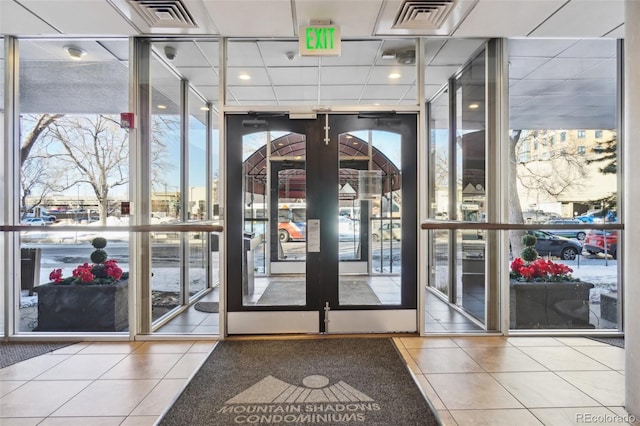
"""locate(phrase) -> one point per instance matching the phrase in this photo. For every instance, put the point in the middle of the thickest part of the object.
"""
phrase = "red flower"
(56, 275)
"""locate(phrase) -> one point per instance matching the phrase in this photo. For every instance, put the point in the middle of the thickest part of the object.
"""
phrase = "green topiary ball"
(99, 256)
(99, 242)
(529, 240)
(529, 254)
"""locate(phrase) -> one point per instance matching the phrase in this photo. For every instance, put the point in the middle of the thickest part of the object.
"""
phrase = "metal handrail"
(186, 227)
(454, 224)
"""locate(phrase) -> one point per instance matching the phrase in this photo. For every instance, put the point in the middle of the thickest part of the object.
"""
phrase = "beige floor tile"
(205, 346)
(411, 363)
(27, 370)
(578, 416)
(580, 341)
(431, 394)
(428, 342)
(160, 398)
(165, 347)
(21, 421)
(82, 367)
(471, 391)
(107, 398)
(7, 386)
(111, 348)
(49, 395)
(206, 330)
(534, 341)
(520, 417)
(186, 366)
(563, 359)
(543, 389)
(610, 356)
(480, 341)
(444, 360)
(140, 421)
(446, 418)
(83, 421)
(71, 349)
(143, 366)
(607, 387)
(500, 358)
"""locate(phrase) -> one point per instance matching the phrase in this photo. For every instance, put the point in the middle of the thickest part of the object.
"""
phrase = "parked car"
(36, 221)
(388, 231)
(554, 245)
(595, 242)
(579, 234)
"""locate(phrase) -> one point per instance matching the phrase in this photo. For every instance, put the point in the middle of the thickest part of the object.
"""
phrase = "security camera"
(170, 52)
(291, 55)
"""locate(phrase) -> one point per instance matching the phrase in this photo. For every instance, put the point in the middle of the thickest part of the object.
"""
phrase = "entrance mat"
(613, 341)
(350, 292)
(14, 352)
(333, 381)
(209, 307)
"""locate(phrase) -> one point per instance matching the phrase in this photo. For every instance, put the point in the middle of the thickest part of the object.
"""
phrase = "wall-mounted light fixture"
(75, 52)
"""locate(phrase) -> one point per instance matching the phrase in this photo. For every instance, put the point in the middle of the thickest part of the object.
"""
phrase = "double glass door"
(321, 223)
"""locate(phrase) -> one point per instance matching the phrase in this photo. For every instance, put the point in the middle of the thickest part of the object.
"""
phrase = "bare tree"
(37, 178)
(94, 151)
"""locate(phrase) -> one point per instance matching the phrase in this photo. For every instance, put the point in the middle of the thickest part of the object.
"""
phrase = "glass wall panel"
(564, 170)
(74, 171)
(197, 199)
(166, 196)
(271, 72)
(2, 218)
(441, 166)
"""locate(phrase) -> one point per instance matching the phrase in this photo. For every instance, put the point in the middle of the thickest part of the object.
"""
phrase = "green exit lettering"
(320, 38)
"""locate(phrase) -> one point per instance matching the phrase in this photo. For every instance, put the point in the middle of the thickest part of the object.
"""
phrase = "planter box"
(83, 307)
(549, 305)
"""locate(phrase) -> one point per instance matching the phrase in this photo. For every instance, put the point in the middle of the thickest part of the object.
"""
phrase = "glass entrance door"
(321, 224)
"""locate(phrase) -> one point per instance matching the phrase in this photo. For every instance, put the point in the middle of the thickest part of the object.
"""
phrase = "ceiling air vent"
(422, 14)
(164, 13)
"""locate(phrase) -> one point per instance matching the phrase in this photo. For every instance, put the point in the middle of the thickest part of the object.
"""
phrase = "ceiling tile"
(294, 76)
(81, 17)
(252, 18)
(355, 17)
(583, 18)
(507, 18)
(16, 20)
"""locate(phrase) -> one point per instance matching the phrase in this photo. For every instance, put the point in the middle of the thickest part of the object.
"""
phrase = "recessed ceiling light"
(348, 136)
(75, 52)
(160, 106)
(244, 77)
(204, 108)
(394, 75)
(474, 106)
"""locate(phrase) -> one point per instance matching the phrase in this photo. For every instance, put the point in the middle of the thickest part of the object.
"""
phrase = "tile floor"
(469, 380)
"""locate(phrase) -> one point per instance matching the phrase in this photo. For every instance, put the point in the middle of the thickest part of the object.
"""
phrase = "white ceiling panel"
(200, 76)
(294, 76)
(187, 53)
(375, 92)
(251, 93)
(356, 53)
(380, 75)
(440, 74)
(274, 54)
(355, 17)
(583, 18)
(521, 67)
(252, 18)
(344, 75)
(508, 18)
(292, 93)
(243, 54)
(538, 48)
(16, 20)
(591, 48)
(97, 16)
(563, 68)
(259, 76)
(456, 51)
(333, 93)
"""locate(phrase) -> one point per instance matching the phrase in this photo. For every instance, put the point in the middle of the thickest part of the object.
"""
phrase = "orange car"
(595, 242)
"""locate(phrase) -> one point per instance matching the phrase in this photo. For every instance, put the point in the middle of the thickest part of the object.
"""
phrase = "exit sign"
(319, 40)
